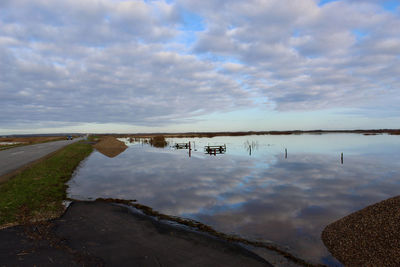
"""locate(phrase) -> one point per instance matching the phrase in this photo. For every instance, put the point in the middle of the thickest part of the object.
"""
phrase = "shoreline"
(203, 228)
(101, 233)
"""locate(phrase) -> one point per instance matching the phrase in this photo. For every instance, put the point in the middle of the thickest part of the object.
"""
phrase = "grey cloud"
(124, 83)
(103, 62)
(90, 22)
(285, 43)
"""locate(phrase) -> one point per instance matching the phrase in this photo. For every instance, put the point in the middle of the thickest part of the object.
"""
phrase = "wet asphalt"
(106, 234)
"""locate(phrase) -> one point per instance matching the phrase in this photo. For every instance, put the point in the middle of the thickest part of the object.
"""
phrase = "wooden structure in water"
(213, 150)
(182, 146)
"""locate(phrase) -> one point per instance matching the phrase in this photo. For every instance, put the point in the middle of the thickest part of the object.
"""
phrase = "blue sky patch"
(391, 5)
(191, 21)
(324, 2)
(359, 34)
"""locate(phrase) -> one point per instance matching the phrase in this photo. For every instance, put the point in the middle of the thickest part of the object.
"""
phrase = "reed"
(158, 141)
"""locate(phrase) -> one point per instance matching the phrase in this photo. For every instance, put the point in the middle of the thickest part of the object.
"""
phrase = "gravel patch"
(369, 237)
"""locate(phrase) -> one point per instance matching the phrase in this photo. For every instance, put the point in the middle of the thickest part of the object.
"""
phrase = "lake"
(255, 189)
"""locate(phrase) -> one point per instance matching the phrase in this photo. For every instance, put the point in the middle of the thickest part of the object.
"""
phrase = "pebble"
(368, 237)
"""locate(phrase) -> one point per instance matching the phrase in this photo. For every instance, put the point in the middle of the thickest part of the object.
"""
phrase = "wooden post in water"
(285, 153)
(249, 150)
(341, 158)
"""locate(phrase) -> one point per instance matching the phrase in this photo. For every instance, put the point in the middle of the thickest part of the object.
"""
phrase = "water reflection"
(110, 147)
(264, 197)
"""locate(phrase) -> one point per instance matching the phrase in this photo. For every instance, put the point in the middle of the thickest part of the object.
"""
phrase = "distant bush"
(158, 141)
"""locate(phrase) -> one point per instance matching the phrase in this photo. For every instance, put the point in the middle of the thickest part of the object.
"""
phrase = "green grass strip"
(37, 192)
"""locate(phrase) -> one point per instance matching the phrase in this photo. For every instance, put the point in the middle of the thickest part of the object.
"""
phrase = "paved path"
(14, 158)
(103, 234)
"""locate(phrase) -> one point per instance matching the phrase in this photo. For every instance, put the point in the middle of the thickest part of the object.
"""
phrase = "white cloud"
(125, 61)
(308, 56)
(129, 83)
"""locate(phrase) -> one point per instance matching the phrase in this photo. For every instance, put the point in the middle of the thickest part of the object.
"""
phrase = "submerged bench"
(182, 145)
(221, 149)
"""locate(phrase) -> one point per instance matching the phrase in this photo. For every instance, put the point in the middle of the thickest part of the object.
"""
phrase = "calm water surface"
(258, 194)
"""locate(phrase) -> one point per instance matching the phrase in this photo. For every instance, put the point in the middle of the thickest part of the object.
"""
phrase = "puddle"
(280, 189)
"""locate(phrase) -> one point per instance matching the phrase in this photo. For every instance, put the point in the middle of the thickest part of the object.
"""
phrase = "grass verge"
(37, 192)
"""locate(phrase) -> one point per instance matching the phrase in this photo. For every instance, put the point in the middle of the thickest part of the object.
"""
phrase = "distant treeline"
(213, 134)
(294, 132)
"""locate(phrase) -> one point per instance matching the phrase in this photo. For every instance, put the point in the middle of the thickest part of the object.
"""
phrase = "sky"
(187, 65)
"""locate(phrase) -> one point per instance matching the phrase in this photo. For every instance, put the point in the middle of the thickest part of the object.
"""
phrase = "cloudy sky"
(188, 65)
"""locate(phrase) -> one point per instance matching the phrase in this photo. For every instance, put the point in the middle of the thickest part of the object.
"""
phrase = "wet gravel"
(369, 237)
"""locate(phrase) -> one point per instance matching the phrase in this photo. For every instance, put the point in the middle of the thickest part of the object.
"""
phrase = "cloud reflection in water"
(288, 201)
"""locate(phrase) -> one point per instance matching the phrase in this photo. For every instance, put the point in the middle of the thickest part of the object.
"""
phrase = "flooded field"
(283, 189)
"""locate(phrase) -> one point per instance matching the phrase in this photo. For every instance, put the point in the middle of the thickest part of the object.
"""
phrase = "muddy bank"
(110, 146)
(369, 237)
(100, 233)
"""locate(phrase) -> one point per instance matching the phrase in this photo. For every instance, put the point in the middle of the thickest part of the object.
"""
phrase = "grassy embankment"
(37, 192)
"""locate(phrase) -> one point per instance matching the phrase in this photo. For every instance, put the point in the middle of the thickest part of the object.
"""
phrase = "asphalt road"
(15, 158)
